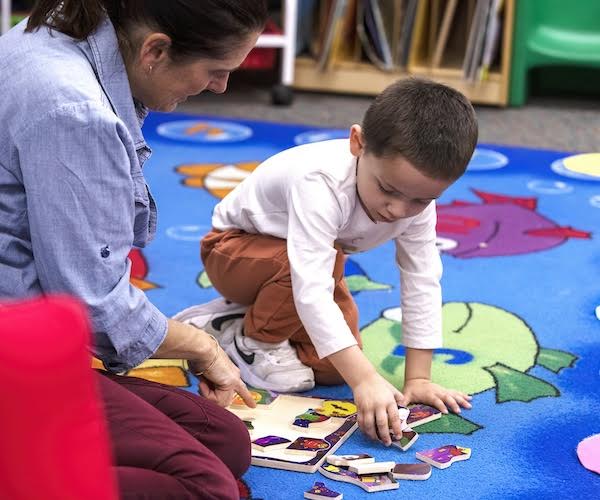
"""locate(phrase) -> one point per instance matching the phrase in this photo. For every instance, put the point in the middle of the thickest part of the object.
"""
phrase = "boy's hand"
(426, 392)
(377, 401)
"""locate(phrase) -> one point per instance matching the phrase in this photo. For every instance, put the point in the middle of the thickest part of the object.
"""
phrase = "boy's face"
(391, 188)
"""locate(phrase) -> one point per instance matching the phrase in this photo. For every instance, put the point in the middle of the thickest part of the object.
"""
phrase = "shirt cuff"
(132, 355)
(422, 342)
(335, 345)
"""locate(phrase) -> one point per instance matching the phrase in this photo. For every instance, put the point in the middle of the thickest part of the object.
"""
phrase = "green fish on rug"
(485, 347)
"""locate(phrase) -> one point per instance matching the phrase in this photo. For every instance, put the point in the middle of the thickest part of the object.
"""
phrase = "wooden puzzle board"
(277, 419)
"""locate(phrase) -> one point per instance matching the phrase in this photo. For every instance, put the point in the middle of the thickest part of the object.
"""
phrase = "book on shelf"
(442, 36)
(333, 34)
(418, 46)
(492, 39)
(372, 34)
(406, 37)
(410, 35)
(478, 33)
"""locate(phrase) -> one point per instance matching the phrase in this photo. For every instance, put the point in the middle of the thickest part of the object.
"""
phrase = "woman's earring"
(149, 69)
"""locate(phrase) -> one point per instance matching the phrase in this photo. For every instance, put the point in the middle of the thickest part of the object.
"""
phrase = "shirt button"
(104, 252)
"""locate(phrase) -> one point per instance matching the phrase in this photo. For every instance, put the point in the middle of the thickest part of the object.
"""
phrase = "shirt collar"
(106, 58)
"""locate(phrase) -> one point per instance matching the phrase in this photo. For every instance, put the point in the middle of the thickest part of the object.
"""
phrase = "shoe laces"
(283, 354)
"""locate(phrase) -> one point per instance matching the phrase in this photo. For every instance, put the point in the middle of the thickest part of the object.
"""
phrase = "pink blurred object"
(54, 438)
(588, 452)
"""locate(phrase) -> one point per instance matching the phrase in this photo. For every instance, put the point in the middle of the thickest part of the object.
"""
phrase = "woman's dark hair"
(431, 125)
(197, 28)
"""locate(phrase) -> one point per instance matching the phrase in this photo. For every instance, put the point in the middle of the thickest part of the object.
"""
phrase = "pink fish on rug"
(501, 225)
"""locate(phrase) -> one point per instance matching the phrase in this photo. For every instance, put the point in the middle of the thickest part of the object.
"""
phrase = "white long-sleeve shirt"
(307, 195)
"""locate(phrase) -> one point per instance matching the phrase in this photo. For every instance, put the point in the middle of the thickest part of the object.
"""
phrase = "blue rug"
(518, 235)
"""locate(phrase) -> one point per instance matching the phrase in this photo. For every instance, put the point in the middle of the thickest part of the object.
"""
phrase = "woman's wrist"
(216, 351)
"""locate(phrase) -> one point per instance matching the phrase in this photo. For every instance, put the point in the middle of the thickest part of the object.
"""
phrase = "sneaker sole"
(203, 313)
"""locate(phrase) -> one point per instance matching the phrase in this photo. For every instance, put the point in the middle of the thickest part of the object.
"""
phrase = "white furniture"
(5, 16)
(282, 94)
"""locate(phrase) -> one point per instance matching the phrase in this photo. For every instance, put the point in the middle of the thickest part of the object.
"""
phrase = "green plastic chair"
(552, 33)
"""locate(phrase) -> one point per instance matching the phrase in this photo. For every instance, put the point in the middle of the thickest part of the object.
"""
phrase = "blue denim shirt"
(73, 198)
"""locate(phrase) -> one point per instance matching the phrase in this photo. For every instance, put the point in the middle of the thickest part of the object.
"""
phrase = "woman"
(77, 82)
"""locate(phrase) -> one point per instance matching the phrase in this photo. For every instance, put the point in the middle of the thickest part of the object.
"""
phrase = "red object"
(54, 439)
(244, 490)
(263, 57)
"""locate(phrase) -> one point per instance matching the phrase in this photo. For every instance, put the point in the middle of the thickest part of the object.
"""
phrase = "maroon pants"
(168, 443)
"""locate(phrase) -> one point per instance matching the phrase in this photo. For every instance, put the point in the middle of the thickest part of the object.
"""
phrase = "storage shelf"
(364, 78)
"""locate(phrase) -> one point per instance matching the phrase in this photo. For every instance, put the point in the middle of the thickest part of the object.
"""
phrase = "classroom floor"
(566, 123)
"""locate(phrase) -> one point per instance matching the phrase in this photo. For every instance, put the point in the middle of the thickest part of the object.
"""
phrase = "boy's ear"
(357, 145)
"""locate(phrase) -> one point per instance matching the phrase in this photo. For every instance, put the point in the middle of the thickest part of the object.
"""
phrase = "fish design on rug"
(475, 358)
(219, 179)
(501, 225)
(139, 270)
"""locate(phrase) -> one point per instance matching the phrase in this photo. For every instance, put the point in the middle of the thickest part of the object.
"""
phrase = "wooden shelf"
(364, 78)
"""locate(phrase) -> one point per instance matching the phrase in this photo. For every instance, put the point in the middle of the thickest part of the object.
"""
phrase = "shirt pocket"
(144, 226)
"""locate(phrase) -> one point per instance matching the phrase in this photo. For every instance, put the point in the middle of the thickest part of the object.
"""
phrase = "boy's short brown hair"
(431, 125)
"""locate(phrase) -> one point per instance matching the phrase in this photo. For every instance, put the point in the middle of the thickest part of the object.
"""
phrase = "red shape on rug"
(244, 490)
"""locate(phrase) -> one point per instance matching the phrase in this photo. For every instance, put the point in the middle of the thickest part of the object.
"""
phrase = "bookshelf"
(355, 75)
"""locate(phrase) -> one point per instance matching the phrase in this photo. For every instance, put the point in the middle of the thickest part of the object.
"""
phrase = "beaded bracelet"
(212, 363)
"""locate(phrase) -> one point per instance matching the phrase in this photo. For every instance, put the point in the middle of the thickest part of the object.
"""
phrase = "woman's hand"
(220, 377)
(426, 392)
(221, 381)
(377, 401)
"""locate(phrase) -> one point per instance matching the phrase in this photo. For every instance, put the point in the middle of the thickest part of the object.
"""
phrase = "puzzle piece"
(407, 439)
(307, 445)
(270, 443)
(421, 414)
(309, 419)
(373, 482)
(334, 408)
(444, 456)
(319, 491)
(260, 396)
(403, 413)
(372, 468)
(417, 472)
(346, 460)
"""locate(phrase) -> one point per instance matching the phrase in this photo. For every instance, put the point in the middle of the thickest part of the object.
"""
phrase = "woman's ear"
(154, 49)
(357, 145)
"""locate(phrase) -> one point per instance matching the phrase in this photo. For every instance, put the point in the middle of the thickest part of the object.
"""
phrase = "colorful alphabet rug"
(519, 241)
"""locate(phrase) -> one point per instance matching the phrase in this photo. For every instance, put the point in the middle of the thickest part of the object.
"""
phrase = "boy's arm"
(418, 364)
(420, 274)
(377, 400)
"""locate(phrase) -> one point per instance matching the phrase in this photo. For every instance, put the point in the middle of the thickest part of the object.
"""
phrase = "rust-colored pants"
(254, 270)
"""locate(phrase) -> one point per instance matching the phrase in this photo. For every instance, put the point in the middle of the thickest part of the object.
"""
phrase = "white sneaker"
(275, 367)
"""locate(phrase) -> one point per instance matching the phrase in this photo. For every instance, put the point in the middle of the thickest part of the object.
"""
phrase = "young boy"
(279, 243)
